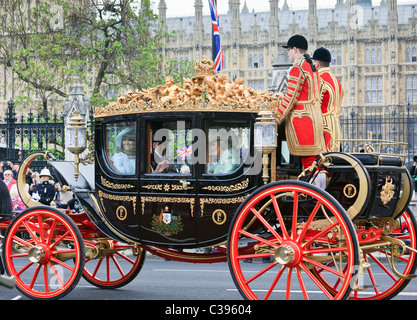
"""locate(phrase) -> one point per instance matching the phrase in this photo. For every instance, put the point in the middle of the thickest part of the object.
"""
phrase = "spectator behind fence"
(8, 179)
(13, 167)
(33, 184)
(17, 202)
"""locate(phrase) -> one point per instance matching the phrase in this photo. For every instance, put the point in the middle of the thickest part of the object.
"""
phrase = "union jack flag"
(184, 153)
(218, 51)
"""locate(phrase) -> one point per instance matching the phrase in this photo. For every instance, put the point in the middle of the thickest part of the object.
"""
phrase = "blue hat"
(119, 137)
(297, 41)
(322, 54)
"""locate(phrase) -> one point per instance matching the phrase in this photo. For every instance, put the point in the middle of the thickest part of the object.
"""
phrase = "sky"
(177, 8)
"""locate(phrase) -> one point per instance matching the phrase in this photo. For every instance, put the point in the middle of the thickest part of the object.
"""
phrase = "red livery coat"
(330, 107)
(300, 108)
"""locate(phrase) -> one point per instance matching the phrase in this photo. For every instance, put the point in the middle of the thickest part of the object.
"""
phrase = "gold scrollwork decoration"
(102, 195)
(191, 201)
(236, 187)
(167, 187)
(204, 201)
(112, 185)
(153, 187)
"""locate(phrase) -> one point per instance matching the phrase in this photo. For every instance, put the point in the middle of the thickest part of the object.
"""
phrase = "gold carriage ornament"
(265, 139)
(206, 91)
(76, 139)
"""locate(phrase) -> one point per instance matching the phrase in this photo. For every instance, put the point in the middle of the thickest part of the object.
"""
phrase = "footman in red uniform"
(331, 101)
(300, 107)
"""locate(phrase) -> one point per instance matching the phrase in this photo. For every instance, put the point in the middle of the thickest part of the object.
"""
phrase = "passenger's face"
(214, 148)
(161, 148)
(128, 145)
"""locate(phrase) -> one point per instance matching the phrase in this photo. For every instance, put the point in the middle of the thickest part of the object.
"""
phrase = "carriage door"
(117, 175)
(168, 184)
(227, 177)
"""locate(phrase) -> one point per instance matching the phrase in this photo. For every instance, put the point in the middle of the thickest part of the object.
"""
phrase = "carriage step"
(365, 287)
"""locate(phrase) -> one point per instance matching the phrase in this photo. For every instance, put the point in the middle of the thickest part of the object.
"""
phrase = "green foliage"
(57, 44)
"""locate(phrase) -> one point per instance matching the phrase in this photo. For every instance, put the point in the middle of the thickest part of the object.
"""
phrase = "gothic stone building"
(374, 48)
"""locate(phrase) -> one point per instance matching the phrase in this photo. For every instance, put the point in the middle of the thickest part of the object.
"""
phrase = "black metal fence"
(395, 124)
(30, 132)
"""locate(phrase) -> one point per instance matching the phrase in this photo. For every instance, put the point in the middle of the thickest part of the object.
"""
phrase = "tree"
(112, 44)
(31, 49)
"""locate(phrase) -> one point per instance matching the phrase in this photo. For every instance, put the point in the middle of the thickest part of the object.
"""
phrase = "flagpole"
(217, 52)
(213, 45)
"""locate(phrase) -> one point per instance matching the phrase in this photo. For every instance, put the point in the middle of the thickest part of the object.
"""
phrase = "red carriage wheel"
(44, 250)
(112, 264)
(379, 279)
(298, 227)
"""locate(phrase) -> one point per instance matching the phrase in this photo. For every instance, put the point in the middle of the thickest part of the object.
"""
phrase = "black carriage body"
(390, 187)
(172, 209)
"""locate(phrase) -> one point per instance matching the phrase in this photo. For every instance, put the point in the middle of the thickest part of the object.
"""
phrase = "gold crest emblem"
(387, 190)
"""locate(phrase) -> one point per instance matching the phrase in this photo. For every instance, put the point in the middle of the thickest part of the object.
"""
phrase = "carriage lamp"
(76, 139)
(265, 138)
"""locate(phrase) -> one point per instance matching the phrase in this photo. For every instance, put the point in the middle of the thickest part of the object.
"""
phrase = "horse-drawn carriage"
(177, 168)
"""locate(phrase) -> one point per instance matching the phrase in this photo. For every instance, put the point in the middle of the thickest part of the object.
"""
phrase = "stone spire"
(198, 22)
(273, 20)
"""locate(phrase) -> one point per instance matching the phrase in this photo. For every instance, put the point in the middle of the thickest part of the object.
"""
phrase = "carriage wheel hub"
(287, 254)
(36, 254)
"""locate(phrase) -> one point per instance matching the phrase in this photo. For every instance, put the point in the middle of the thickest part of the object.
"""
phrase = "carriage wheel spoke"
(125, 257)
(259, 239)
(267, 225)
(316, 281)
(310, 219)
(263, 271)
(279, 216)
(301, 282)
(274, 283)
(294, 216)
(113, 257)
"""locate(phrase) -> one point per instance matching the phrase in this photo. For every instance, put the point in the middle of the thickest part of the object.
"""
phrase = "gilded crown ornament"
(204, 67)
(206, 91)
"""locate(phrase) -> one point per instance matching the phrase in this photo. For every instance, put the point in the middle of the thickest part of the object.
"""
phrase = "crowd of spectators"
(40, 186)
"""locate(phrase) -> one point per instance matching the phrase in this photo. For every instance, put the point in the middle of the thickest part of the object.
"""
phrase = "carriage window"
(285, 153)
(171, 147)
(227, 146)
(121, 147)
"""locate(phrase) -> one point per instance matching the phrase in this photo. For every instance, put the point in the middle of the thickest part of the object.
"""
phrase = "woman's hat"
(119, 137)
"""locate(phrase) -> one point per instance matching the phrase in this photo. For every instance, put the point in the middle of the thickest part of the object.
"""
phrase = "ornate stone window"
(411, 88)
(373, 54)
(411, 52)
(336, 52)
(373, 89)
(181, 58)
(255, 59)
